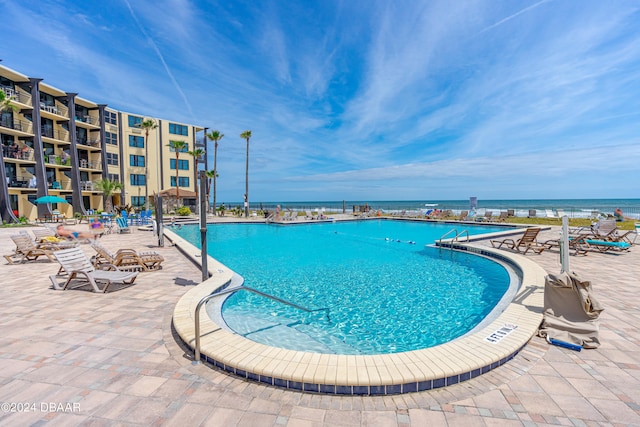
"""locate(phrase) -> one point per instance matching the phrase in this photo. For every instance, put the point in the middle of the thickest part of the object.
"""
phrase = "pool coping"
(450, 363)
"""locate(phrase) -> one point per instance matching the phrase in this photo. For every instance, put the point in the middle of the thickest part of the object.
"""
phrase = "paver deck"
(80, 358)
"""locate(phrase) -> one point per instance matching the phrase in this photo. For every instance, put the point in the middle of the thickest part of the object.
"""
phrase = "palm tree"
(5, 102)
(197, 155)
(215, 136)
(147, 125)
(178, 146)
(108, 187)
(211, 176)
(246, 135)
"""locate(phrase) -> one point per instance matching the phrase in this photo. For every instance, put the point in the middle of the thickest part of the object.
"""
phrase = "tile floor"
(80, 358)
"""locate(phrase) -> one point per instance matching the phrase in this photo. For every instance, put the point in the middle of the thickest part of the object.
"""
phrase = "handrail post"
(196, 352)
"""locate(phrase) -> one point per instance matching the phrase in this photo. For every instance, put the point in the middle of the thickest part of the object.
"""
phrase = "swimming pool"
(384, 291)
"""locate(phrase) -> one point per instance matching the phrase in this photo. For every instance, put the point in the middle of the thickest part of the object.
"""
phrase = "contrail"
(164, 63)
(508, 18)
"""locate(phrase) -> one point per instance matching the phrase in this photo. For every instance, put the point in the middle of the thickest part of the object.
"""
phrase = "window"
(135, 121)
(138, 201)
(136, 141)
(135, 160)
(177, 129)
(182, 150)
(182, 180)
(138, 179)
(111, 117)
(114, 177)
(182, 164)
(111, 138)
(112, 159)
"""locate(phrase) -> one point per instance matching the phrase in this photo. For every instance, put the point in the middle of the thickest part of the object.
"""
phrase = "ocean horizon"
(571, 207)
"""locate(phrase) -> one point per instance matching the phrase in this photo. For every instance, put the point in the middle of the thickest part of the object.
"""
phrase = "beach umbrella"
(49, 199)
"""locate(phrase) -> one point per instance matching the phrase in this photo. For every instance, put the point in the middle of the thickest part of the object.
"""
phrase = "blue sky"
(365, 100)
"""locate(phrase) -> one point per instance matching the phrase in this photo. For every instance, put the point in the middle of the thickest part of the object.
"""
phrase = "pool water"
(377, 287)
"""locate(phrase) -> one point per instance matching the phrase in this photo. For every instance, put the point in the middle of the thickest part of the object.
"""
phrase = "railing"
(58, 134)
(204, 300)
(454, 238)
(14, 152)
(85, 118)
(19, 125)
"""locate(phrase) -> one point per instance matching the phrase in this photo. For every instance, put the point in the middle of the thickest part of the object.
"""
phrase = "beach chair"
(523, 244)
(309, 215)
(127, 259)
(75, 263)
(463, 215)
(26, 250)
(503, 216)
(532, 213)
(123, 225)
(47, 238)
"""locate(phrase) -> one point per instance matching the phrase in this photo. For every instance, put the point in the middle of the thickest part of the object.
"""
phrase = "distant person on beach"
(619, 215)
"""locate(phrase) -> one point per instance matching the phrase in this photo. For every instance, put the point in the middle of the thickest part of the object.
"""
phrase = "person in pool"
(73, 234)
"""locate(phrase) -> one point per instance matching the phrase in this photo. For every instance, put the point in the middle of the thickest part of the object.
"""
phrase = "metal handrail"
(454, 238)
(196, 358)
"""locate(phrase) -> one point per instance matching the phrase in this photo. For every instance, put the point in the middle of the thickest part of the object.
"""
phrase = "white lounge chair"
(79, 267)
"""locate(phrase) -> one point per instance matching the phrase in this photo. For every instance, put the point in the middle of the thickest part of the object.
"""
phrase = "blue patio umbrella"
(49, 199)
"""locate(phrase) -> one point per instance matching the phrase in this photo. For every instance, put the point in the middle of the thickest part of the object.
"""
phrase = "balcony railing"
(59, 134)
(19, 125)
(15, 152)
(57, 109)
(85, 118)
(17, 95)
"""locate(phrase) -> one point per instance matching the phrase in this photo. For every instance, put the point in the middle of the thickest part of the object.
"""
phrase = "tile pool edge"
(417, 370)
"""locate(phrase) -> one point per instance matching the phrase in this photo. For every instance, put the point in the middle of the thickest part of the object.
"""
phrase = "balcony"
(58, 110)
(89, 142)
(58, 134)
(85, 118)
(18, 125)
(90, 164)
(17, 95)
(16, 152)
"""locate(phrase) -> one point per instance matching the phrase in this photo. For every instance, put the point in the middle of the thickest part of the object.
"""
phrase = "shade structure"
(49, 199)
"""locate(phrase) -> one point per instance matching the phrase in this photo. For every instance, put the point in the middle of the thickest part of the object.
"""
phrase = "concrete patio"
(81, 358)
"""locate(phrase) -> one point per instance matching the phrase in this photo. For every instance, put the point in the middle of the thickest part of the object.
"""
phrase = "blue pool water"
(384, 291)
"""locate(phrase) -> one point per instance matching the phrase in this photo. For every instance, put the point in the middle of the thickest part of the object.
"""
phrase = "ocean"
(574, 208)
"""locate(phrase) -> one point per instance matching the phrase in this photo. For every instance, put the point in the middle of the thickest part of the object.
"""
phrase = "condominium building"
(57, 143)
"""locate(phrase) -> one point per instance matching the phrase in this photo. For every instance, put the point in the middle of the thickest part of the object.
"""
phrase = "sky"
(364, 99)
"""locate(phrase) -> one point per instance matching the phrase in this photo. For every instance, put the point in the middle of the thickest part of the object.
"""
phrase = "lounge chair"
(503, 216)
(26, 250)
(607, 229)
(608, 245)
(127, 259)
(463, 215)
(46, 238)
(79, 268)
(123, 225)
(486, 217)
(523, 244)
(286, 216)
(532, 213)
(309, 215)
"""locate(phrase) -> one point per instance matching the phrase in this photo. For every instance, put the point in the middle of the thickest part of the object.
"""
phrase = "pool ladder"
(454, 238)
(196, 357)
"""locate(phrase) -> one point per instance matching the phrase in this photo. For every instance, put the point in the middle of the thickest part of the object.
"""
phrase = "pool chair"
(26, 250)
(607, 245)
(123, 225)
(532, 213)
(503, 216)
(47, 238)
(463, 215)
(523, 244)
(127, 259)
(79, 268)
